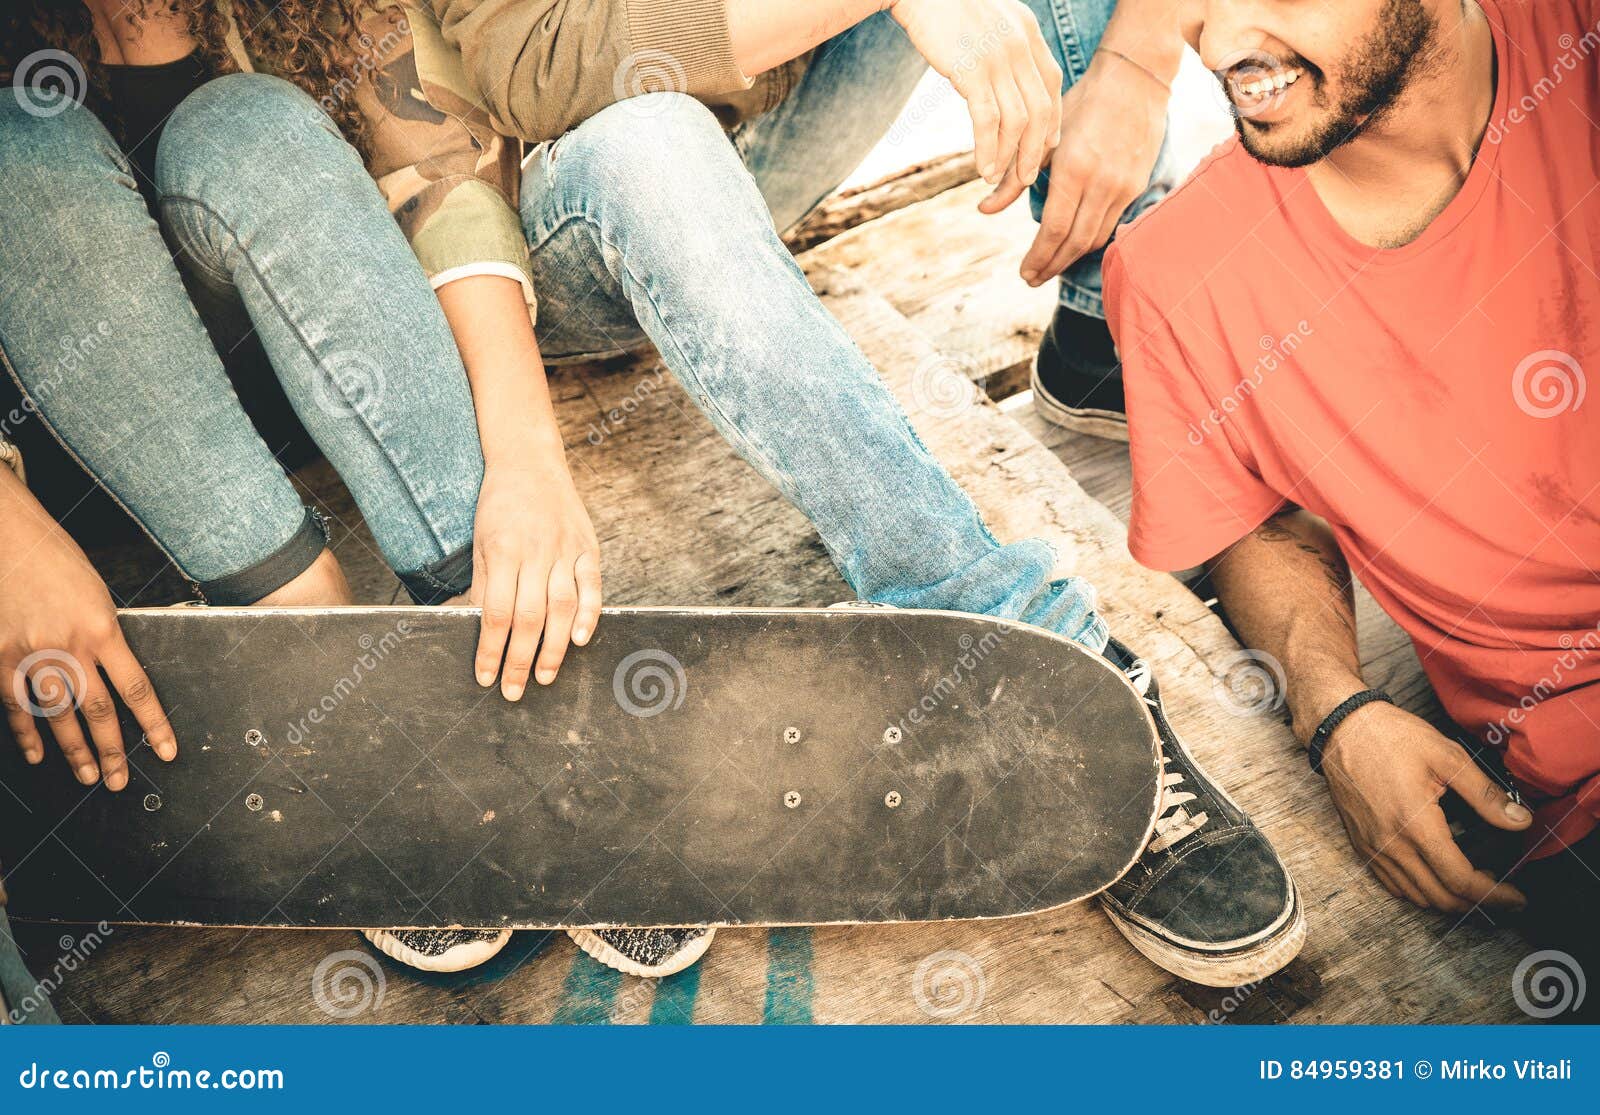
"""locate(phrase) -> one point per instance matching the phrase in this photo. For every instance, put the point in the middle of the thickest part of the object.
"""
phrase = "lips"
(1258, 90)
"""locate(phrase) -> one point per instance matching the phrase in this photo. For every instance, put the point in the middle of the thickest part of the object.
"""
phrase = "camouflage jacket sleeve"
(545, 66)
(450, 179)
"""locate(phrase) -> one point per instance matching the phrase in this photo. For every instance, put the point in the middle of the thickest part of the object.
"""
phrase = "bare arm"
(536, 561)
(1286, 588)
(767, 33)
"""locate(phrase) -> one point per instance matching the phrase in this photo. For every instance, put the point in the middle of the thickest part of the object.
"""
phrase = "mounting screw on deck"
(892, 799)
(254, 803)
(891, 734)
(791, 735)
(792, 798)
(152, 803)
(254, 738)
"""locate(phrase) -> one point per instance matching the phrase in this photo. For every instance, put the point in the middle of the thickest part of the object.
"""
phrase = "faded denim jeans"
(279, 232)
(647, 223)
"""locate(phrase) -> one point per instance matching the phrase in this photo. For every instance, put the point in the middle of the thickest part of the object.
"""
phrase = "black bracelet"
(1319, 738)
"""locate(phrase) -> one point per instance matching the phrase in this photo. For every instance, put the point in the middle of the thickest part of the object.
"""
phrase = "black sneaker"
(1209, 900)
(644, 952)
(439, 950)
(1077, 379)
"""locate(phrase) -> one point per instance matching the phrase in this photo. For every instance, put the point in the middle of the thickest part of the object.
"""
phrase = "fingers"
(561, 607)
(1490, 800)
(532, 584)
(1396, 883)
(100, 713)
(62, 708)
(498, 600)
(1043, 107)
(140, 696)
(1060, 211)
(587, 571)
(1013, 121)
(1452, 868)
(1422, 876)
(1081, 237)
(985, 114)
(1009, 189)
(1050, 75)
(14, 697)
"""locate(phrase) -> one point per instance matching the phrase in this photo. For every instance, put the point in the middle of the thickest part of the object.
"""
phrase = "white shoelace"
(1175, 821)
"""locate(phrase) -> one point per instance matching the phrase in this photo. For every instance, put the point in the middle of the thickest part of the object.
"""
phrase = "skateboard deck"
(340, 768)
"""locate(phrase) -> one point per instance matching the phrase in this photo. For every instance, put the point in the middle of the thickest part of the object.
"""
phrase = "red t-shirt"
(1428, 401)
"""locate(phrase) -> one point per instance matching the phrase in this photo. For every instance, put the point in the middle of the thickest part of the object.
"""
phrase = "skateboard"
(340, 768)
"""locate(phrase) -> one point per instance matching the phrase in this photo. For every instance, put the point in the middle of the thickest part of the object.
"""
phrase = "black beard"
(1374, 76)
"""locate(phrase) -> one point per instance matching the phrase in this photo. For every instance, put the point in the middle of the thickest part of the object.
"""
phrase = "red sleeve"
(1194, 495)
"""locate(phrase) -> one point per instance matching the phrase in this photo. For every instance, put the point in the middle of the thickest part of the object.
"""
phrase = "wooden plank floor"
(682, 520)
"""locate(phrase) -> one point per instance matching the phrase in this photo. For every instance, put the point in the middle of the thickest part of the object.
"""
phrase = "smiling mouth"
(1258, 90)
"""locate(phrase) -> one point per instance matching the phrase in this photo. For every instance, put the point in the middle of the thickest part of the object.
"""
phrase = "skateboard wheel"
(792, 799)
(254, 803)
(892, 799)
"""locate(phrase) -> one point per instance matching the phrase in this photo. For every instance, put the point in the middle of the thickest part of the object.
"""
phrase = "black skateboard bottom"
(341, 768)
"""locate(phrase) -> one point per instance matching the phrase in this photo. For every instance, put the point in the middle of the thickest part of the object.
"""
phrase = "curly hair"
(314, 43)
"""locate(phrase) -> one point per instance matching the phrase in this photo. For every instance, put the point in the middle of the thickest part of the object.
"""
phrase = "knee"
(49, 154)
(243, 124)
(662, 158)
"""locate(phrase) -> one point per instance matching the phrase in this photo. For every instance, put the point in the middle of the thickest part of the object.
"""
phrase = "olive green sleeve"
(544, 66)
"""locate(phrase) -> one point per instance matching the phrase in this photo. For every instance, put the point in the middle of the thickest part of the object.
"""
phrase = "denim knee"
(45, 157)
(246, 128)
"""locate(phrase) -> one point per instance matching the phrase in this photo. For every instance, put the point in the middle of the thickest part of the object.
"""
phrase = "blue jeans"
(646, 223)
(22, 1000)
(276, 225)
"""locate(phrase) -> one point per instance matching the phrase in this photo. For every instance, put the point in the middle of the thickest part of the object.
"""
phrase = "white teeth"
(1272, 83)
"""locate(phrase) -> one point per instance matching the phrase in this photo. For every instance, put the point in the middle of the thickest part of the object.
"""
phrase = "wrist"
(528, 453)
(1310, 705)
(1112, 63)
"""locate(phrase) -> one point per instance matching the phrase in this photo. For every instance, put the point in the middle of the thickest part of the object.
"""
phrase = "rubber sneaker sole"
(1221, 968)
(1108, 424)
(591, 943)
(469, 954)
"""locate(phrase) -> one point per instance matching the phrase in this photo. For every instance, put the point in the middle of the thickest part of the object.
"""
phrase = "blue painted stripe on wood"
(789, 985)
(589, 993)
(675, 995)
